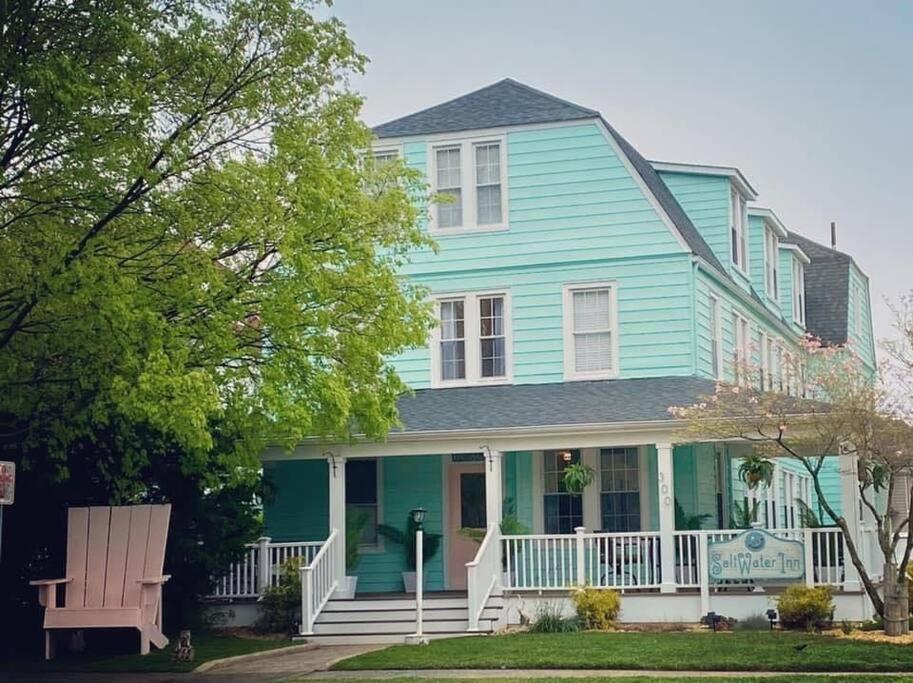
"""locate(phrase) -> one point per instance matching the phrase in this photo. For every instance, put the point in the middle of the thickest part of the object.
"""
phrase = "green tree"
(196, 257)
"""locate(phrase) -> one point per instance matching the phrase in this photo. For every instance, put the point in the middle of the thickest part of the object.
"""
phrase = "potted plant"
(430, 544)
(577, 477)
(356, 520)
(685, 522)
(743, 515)
(756, 469)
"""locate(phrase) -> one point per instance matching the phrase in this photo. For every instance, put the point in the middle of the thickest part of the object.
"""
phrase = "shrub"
(597, 609)
(549, 619)
(801, 607)
(280, 608)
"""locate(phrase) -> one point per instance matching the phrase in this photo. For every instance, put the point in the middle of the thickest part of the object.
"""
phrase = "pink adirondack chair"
(115, 558)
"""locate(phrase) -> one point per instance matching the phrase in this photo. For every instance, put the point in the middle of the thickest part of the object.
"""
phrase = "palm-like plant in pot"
(430, 544)
(756, 469)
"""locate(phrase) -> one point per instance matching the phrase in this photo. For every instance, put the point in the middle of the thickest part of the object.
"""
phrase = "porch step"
(378, 619)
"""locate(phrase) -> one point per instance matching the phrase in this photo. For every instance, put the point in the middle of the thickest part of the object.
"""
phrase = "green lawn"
(639, 679)
(703, 651)
(207, 647)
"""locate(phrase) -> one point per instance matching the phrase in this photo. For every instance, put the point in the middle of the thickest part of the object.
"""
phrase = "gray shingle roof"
(548, 405)
(509, 103)
(827, 289)
(505, 103)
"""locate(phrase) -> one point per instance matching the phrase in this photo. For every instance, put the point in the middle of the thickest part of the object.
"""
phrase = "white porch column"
(849, 505)
(494, 490)
(666, 499)
(337, 472)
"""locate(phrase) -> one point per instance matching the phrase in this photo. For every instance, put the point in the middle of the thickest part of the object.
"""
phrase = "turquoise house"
(581, 290)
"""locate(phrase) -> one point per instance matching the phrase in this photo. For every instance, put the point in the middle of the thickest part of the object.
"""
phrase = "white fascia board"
(731, 172)
(770, 218)
(797, 252)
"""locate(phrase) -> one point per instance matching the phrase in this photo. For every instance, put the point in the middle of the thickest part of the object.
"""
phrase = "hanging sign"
(758, 555)
(7, 482)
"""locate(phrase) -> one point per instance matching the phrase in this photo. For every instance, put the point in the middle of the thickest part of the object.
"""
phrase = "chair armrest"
(49, 582)
(154, 579)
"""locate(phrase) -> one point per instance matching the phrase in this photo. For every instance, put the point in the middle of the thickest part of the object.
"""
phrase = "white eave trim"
(731, 172)
(797, 252)
(770, 218)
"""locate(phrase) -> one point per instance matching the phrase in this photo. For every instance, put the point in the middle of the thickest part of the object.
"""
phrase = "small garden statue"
(183, 650)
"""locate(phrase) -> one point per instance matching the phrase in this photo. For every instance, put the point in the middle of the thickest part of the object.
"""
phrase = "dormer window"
(798, 292)
(469, 175)
(771, 255)
(739, 230)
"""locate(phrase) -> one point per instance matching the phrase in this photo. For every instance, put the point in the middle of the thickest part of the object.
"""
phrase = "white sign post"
(7, 491)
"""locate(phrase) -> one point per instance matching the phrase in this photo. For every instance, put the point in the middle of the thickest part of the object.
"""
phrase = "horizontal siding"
(570, 198)
(654, 312)
(861, 340)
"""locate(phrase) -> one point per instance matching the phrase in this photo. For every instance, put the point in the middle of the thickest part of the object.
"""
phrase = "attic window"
(798, 292)
(470, 176)
(771, 255)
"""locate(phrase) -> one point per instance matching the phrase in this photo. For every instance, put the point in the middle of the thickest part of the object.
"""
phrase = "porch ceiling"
(600, 402)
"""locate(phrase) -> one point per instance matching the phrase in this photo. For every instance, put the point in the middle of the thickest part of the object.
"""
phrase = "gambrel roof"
(509, 103)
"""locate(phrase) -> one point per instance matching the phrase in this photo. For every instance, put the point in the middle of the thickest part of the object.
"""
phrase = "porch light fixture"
(567, 456)
(771, 617)
(418, 516)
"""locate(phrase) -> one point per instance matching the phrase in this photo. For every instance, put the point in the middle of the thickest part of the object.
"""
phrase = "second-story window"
(590, 335)
(769, 361)
(716, 339)
(798, 292)
(771, 255)
(738, 232)
(469, 176)
(741, 356)
(471, 344)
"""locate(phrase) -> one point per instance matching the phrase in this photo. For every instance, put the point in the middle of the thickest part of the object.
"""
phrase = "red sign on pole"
(7, 482)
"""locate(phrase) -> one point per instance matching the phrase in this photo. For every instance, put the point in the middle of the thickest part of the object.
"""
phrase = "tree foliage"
(844, 412)
(196, 257)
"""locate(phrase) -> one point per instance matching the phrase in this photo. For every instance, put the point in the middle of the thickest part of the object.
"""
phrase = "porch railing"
(482, 574)
(261, 567)
(631, 561)
(319, 579)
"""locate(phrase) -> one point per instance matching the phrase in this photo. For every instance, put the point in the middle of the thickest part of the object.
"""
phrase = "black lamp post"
(418, 516)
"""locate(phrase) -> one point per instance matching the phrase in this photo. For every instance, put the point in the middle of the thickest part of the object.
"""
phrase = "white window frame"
(468, 184)
(472, 339)
(764, 340)
(568, 315)
(378, 547)
(771, 263)
(741, 347)
(387, 150)
(738, 217)
(716, 337)
(798, 292)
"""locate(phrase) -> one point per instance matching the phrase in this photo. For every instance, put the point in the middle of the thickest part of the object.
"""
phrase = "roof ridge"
(542, 93)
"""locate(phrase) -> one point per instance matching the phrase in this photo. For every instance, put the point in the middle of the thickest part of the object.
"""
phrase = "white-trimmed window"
(771, 256)
(590, 331)
(765, 361)
(619, 473)
(472, 174)
(741, 352)
(716, 339)
(472, 343)
(738, 209)
(769, 362)
(363, 497)
(780, 369)
(562, 511)
(798, 292)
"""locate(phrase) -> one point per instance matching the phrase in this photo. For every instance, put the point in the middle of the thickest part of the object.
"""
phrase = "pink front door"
(466, 496)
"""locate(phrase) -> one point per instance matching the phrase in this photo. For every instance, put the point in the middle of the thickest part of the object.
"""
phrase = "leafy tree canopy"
(188, 235)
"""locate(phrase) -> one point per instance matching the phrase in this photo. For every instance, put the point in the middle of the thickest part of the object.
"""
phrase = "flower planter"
(347, 590)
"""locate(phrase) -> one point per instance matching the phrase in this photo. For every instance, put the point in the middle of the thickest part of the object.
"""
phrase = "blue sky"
(813, 101)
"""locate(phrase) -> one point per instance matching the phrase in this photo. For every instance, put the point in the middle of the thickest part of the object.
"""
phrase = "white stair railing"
(318, 581)
(482, 574)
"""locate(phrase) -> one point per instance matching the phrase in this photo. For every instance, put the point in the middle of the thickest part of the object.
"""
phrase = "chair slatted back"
(109, 549)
